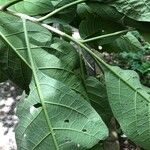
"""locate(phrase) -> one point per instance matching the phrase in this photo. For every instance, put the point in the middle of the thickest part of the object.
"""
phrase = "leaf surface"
(74, 122)
(97, 93)
(130, 104)
(135, 9)
(63, 54)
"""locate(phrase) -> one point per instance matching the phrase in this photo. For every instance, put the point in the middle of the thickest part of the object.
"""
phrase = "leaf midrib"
(37, 84)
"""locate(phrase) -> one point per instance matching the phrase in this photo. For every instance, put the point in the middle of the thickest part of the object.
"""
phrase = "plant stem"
(4, 7)
(105, 36)
(86, 49)
(60, 9)
(37, 84)
(60, 33)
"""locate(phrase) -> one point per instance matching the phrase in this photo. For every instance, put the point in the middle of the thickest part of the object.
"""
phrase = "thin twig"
(60, 9)
(105, 36)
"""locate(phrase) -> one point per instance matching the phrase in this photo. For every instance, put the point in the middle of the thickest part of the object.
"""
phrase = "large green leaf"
(12, 67)
(12, 41)
(73, 122)
(129, 103)
(31, 7)
(135, 9)
(110, 13)
(44, 49)
(90, 26)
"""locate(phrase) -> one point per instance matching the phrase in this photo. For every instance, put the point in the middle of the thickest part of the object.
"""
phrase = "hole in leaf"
(67, 140)
(84, 130)
(37, 105)
(66, 121)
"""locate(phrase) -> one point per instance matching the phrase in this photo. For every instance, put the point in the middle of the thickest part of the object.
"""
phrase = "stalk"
(37, 84)
(60, 9)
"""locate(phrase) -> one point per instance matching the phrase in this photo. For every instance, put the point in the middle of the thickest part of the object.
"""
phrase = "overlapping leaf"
(110, 13)
(98, 96)
(130, 104)
(74, 123)
(44, 49)
(93, 26)
(137, 10)
(60, 116)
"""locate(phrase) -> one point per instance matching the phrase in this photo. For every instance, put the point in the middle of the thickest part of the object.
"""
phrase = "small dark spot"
(37, 105)
(66, 121)
(146, 104)
(67, 140)
(84, 130)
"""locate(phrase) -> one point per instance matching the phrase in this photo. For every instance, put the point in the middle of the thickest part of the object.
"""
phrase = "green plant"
(63, 107)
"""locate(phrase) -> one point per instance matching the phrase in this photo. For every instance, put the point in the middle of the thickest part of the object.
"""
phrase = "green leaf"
(110, 13)
(15, 66)
(129, 103)
(83, 10)
(34, 7)
(55, 108)
(135, 9)
(12, 67)
(97, 93)
(90, 26)
(68, 14)
(128, 42)
(63, 54)
(94, 26)
(74, 122)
